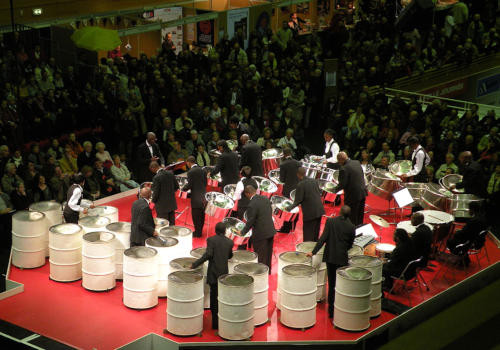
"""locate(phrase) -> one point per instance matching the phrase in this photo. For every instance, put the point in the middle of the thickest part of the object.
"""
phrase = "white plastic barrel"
(93, 223)
(140, 276)
(98, 261)
(298, 296)
(374, 265)
(317, 262)
(185, 303)
(285, 259)
(65, 246)
(105, 211)
(183, 235)
(240, 257)
(29, 230)
(167, 249)
(121, 230)
(352, 298)
(236, 306)
(53, 213)
(260, 274)
(198, 253)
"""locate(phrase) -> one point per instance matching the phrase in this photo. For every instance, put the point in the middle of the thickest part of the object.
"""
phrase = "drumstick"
(437, 219)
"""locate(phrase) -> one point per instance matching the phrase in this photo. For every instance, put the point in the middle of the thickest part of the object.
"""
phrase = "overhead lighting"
(37, 11)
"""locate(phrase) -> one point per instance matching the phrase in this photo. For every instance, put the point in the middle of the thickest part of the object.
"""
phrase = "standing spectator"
(148, 152)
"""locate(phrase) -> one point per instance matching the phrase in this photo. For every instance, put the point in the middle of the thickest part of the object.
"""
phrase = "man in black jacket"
(473, 181)
(352, 181)
(197, 183)
(400, 257)
(219, 251)
(227, 165)
(260, 220)
(148, 152)
(164, 187)
(338, 235)
(308, 195)
(288, 172)
(422, 237)
(143, 225)
(251, 155)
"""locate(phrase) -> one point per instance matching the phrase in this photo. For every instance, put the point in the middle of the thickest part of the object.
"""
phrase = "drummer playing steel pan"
(331, 150)
(419, 160)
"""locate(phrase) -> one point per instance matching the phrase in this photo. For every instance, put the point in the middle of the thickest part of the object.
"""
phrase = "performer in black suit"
(400, 257)
(338, 235)
(147, 152)
(74, 197)
(352, 181)
(219, 251)
(251, 155)
(164, 187)
(227, 165)
(473, 180)
(288, 172)
(197, 183)
(260, 220)
(143, 225)
(422, 237)
(308, 195)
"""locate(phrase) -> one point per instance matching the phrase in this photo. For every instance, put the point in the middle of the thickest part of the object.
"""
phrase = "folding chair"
(461, 252)
(411, 269)
(479, 245)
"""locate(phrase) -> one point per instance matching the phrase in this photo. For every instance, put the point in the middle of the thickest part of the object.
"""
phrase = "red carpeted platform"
(84, 319)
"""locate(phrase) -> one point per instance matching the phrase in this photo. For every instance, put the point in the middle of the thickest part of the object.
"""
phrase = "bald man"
(147, 152)
(352, 181)
(473, 181)
(251, 155)
(143, 225)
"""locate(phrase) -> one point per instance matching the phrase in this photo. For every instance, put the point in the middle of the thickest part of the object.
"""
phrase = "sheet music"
(403, 197)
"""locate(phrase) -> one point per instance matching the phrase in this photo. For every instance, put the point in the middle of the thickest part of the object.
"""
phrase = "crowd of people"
(58, 121)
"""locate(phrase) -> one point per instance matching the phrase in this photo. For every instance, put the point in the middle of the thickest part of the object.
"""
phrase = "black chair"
(461, 253)
(478, 246)
(409, 274)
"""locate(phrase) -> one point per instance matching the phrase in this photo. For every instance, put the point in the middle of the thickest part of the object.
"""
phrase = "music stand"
(366, 230)
(402, 198)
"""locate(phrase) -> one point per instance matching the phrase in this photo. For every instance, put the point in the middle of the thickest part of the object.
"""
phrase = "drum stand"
(179, 214)
(389, 211)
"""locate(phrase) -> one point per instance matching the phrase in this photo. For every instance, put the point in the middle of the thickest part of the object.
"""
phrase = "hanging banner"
(166, 15)
(237, 22)
(205, 32)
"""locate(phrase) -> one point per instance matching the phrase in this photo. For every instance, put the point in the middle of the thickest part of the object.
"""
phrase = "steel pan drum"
(218, 205)
(214, 153)
(459, 204)
(182, 181)
(292, 195)
(401, 167)
(451, 179)
(279, 205)
(229, 190)
(212, 180)
(266, 187)
(312, 169)
(416, 189)
(436, 197)
(274, 176)
(232, 226)
(271, 159)
(328, 188)
(232, 144)
(383, 184)
(368, 170)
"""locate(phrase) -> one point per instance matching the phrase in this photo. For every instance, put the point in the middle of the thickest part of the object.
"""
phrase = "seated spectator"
(267, 136)
(87, 156)
(384, 163)
(6, 207)
(469, 234)
(17, 159)
(212, 144)
(10, 178)
(178, 154)
(106, 181)
(68, 162)
(122, 175)
(288, 141)
(20, 198)
(59, 184)
(386, 151)
(41, 192)
(92, 187)
(179, 122)
(48, 168)
(449, 167)
(400, 257)
(36, 157)
(193, 143)
(29, 176)
(202, 157)
(76, 148)
(365, 159)
(55, 149)
(103, 155)
(494, 182)
(490, 137)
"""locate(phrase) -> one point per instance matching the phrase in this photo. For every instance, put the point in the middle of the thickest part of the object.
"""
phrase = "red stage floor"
(84, 319)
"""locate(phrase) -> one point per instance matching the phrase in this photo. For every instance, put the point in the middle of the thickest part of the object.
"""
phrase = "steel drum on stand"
(53, 214)
(451, 179)
(229, 191)
(233, 226)
(260, 274)
(436, 197)
(281, 214)
(400, 167)
(271, 159)
(459, 205)
(266, 187)
(218, 205)
(274, 176)
(212, 180)
(383, 184)
(417, 190)
(182, 181)
(29, 231)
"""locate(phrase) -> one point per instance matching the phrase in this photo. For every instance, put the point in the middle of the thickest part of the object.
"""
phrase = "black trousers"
(214, 305)
(170, 216)
(310, 229)
(331, 270)
(357, 211)
(264, 250)
(198, 216)
(71, 217)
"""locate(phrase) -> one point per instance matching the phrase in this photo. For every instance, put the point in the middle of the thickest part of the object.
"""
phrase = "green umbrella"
(96, 39)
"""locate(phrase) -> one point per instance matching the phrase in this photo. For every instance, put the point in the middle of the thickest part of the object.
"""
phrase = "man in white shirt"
(331, 150)
(73, 208)
(419, 160)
